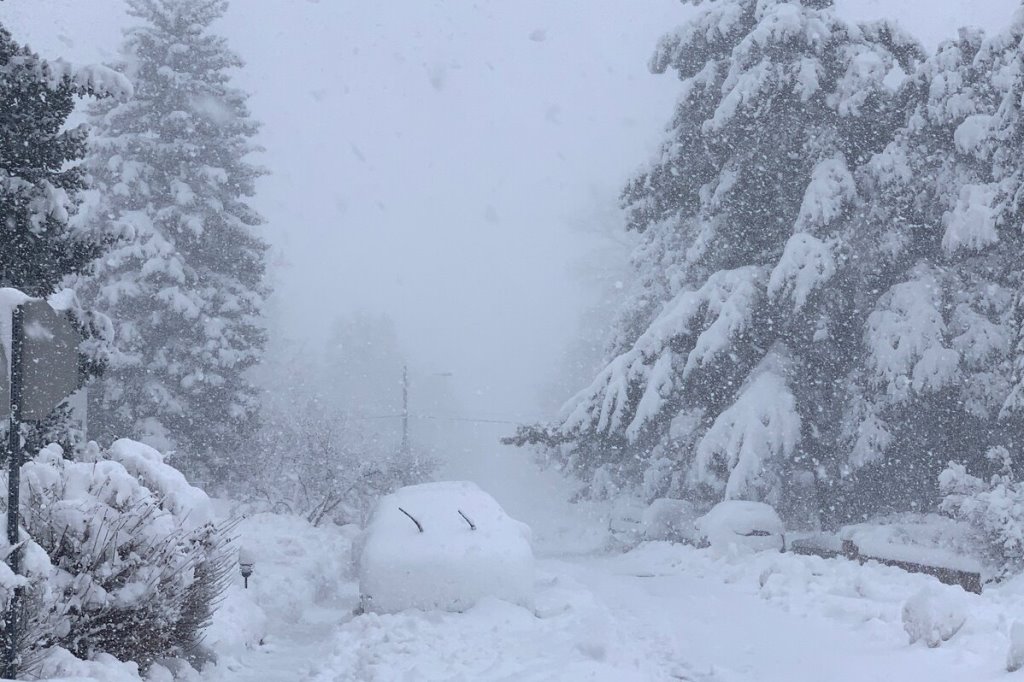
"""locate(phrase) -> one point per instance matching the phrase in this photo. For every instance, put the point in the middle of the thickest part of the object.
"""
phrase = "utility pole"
(405, 409)
(406, 446)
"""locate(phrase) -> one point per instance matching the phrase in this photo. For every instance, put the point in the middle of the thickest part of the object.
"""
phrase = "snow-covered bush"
(933, 617)
(995, 508)
(316, 462)
(125, 558)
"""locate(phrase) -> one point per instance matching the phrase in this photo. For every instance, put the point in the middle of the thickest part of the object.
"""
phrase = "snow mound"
(297, 566)
(739, 525)
(1015, 657)
(238, 624)
(61, 666)
(468, 549)
(301, 585)
(933, 617)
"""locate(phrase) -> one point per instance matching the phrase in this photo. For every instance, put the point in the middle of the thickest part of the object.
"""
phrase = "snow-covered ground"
(659, 612)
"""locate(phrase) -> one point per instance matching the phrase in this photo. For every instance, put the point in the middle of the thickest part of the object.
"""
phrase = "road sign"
(43, 372)
(49, 362)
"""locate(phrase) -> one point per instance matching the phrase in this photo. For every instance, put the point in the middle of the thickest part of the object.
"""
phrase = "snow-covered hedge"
(122, 556)
(312, 461)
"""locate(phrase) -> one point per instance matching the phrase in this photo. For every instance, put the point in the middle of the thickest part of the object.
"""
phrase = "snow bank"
(239, 623)
(741, 525)
(870, 600)
(296, 567)
(300, 587)
(60, 666)
(572, 634)
(469, 548)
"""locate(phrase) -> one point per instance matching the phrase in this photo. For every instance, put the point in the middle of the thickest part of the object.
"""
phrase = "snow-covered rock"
(461, 547)
(739, 525)
(933, 617)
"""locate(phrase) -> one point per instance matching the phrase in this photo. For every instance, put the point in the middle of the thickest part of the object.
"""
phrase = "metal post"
(405, 410)
(14, 456)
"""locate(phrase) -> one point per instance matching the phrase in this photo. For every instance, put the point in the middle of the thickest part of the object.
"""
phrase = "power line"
(437, 417)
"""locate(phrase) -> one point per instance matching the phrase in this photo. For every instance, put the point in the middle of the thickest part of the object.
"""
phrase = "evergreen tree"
(41, 182)
(186, 288)
(40, 173)
(928, 334)
(718, 366)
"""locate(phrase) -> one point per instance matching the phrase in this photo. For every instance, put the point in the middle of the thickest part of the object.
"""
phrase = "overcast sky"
(428, 159)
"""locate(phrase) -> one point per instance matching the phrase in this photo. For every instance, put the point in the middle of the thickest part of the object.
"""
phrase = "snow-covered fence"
(939, 567)
(947, 566)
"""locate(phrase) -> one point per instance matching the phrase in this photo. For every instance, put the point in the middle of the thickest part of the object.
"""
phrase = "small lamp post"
(245, 563)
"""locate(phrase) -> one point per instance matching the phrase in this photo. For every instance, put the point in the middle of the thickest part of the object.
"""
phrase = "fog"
(428, 163)
(439, 162)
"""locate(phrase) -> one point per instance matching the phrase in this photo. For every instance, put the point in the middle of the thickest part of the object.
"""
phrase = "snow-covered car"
(442, 546)
(670, 520)
(741, 525)
(625, 523)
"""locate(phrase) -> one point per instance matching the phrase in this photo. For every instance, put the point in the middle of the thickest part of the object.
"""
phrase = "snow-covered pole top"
(10, 299)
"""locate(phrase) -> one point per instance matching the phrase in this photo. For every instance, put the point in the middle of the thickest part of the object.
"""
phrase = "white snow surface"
(933, 617)
(660, 612)
(301, 587)
(449, 565)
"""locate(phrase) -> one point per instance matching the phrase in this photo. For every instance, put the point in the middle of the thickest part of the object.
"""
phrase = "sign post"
(44, 370)
(10, 662)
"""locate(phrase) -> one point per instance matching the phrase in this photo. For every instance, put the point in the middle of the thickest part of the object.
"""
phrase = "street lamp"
(245, 563)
